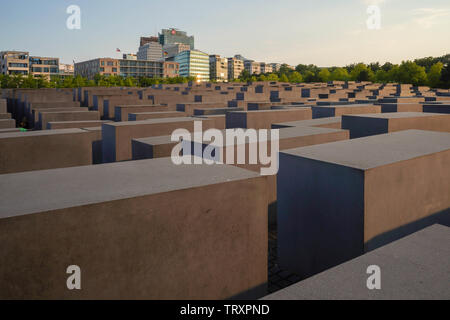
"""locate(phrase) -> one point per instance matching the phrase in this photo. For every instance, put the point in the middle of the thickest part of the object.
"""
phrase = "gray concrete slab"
(413, 268)
(338, 200)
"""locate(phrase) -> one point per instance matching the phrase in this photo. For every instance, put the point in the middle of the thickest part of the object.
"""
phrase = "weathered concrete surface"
(117, 136)
(121, 112)
(341, 199)
(288, 138)
(332, 123)
(34, 118)
(154, 115)
(413, 268)
(264, 119)
(443, 108)
(97, 143)
(138, 230)
(372, 124)
(152, 148)
(7, 123)
(5, 116)
(38, 150)
(75, 124)
(401, 107)
(46, 117)
(9, 130)
(335, 111)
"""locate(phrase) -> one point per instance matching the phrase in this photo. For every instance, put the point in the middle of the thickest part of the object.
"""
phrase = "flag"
(118, 50)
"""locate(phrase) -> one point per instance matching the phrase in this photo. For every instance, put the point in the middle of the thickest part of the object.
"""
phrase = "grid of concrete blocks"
(364, 171)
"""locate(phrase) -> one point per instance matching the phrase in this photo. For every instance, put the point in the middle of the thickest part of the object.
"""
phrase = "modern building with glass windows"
(126, 68)
(14, 62)
(194, 63)
(141, 68)
(151, 51)
(172, 36)
(44, 66)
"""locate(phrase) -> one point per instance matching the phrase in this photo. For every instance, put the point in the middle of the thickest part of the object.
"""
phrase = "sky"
(321, 32)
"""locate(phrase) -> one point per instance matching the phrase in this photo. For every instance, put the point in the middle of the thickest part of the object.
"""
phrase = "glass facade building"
(194, 63)
(172, 36)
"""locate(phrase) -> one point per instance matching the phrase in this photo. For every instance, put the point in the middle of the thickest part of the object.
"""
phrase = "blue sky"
(321, 32)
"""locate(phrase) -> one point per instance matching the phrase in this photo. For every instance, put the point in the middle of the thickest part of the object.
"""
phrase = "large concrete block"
(341, 199)
(58, 116)
(436, 108)
(335, 111)
(38, 150)
(117, 136)
(154, 115)
(7, 123)
(189, 108)
(138, 230)
(413, 268)
(332, 123)
(3, 106)
(34, 117)
(152, 148)
(401, 107)
(5, 116)
(75, 124)
(372, 124)
(288, 138)
(265, 118)
(97, 144)
(121, 112)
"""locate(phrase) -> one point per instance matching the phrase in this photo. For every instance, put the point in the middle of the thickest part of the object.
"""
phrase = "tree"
(244, 76)
(410, 72)
(387, 66)
(295, 77)
(381, 76)
(375, 66)
(445, 76)
(361, 72)
(434, 74)
(284, 78)
(262, 77)
(339, 74)
(272, 77)
(324, 75)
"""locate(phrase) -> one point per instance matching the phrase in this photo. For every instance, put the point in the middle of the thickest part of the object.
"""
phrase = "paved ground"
(278, 278)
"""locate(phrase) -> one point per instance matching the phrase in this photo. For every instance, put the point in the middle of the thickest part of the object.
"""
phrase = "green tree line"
(433, 72)
(20, 81)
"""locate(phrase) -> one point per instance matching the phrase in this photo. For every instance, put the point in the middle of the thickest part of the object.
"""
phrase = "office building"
(66, 70)
(235, 68)
(102, 66)
(126, 68)
(266, 68)
(252, 67)
(44, 66)
(129, 56)
(241, 57)
(275, 67)
(14, 62)
(218, 68)
(141, 68)
(171, 69)
(172, 36)
(171, 50)
(151, 51)
(145, 40)
(194, 63)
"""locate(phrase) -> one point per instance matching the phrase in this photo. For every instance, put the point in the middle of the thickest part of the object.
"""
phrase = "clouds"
(428, 17)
